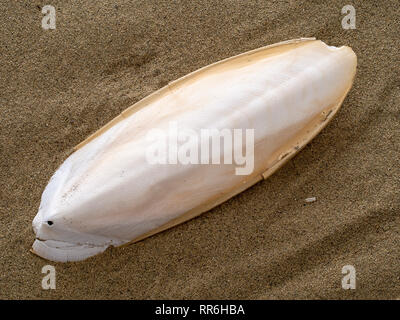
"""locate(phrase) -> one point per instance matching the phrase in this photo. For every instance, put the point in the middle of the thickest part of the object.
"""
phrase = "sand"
(58, 86)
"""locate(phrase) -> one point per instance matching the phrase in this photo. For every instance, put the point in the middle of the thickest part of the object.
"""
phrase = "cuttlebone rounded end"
(347, 58)
(61, 251)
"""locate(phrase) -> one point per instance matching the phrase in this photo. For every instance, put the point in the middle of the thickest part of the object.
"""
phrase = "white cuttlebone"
(107, 194)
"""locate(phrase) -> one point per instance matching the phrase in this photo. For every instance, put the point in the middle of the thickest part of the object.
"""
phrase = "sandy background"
(58, 86)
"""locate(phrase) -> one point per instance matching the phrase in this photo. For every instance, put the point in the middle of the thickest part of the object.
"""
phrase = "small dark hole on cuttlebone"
(50, 223)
